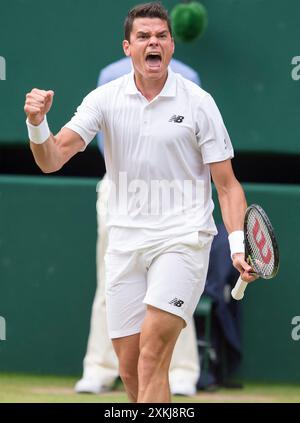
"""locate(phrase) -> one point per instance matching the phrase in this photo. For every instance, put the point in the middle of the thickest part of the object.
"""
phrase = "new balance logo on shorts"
(177, 119)
(176, 302)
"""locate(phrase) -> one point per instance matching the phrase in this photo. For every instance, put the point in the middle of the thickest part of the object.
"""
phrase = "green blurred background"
(48, 223)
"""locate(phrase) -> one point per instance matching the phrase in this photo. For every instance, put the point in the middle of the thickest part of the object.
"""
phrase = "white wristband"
(236, 242)
(38, 134)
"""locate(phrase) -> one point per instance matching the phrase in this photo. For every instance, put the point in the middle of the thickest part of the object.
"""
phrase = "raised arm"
(50, 152)
(233, 206)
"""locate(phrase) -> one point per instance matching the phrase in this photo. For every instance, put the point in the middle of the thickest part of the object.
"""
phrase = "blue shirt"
(123, 66)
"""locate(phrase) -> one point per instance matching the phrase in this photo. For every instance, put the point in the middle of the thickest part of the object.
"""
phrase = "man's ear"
(173, 44)
(126, 48)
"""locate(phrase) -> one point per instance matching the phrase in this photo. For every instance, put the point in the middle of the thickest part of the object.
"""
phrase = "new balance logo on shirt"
(176, 302)
(177, 119)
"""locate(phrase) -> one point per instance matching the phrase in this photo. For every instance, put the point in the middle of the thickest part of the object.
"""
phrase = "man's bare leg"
(127, 350)
(159, 333)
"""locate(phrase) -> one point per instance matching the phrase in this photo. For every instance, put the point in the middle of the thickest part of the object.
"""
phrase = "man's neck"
(149, 88)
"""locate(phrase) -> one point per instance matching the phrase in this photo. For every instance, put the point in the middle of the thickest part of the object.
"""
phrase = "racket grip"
(239, 289)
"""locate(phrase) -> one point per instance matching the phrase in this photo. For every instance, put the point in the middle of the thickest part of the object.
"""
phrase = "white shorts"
(169, 276)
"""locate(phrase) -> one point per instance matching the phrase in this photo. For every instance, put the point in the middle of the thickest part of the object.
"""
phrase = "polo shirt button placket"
(145, 119)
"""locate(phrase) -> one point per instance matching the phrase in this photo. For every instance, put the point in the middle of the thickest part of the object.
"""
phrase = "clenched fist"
(37, 105)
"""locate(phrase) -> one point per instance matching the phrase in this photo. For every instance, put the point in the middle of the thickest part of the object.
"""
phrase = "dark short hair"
(146, 10)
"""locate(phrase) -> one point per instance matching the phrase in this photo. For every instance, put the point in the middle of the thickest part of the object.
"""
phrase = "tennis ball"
(188, 21)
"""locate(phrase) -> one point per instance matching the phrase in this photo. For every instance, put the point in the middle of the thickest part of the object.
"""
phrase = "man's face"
(150, 46)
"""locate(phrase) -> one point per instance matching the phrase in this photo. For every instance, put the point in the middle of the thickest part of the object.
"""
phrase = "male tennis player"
(160, 130)
(100, 365)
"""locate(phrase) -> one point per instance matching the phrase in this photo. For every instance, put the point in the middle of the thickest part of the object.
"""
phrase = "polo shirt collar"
(169, 89)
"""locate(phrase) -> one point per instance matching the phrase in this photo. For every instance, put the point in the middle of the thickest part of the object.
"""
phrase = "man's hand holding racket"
(261, 251)
(246, 271)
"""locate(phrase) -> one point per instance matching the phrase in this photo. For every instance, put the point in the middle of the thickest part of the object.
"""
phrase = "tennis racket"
(261, 248)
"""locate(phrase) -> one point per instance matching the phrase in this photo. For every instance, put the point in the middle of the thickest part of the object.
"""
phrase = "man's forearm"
(233, 206)
(46, 156)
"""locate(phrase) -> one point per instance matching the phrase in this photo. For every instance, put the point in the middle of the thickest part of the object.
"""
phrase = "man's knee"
(128, 353)
(128, 374)
(155, 355)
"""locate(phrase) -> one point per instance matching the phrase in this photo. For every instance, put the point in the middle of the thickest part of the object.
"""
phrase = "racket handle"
(239, 289)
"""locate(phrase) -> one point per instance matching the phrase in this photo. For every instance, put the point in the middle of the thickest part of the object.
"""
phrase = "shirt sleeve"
(212, 135)
(88, 118)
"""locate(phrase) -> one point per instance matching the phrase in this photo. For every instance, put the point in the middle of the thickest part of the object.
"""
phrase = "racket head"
(261, 247)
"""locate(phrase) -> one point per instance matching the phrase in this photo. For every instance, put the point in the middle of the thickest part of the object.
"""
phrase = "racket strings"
(260, 245)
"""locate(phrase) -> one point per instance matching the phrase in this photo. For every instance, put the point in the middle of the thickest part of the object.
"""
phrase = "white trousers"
(100, 360)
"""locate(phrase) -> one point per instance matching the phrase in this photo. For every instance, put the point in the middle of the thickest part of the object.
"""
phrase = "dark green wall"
(244, 60)
(47, 271)
(270, 353)
(47, 279)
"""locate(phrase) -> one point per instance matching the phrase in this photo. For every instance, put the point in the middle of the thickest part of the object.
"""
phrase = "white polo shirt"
(157, 155)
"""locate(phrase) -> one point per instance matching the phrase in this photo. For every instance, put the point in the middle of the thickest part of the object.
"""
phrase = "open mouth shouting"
(154, 60)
